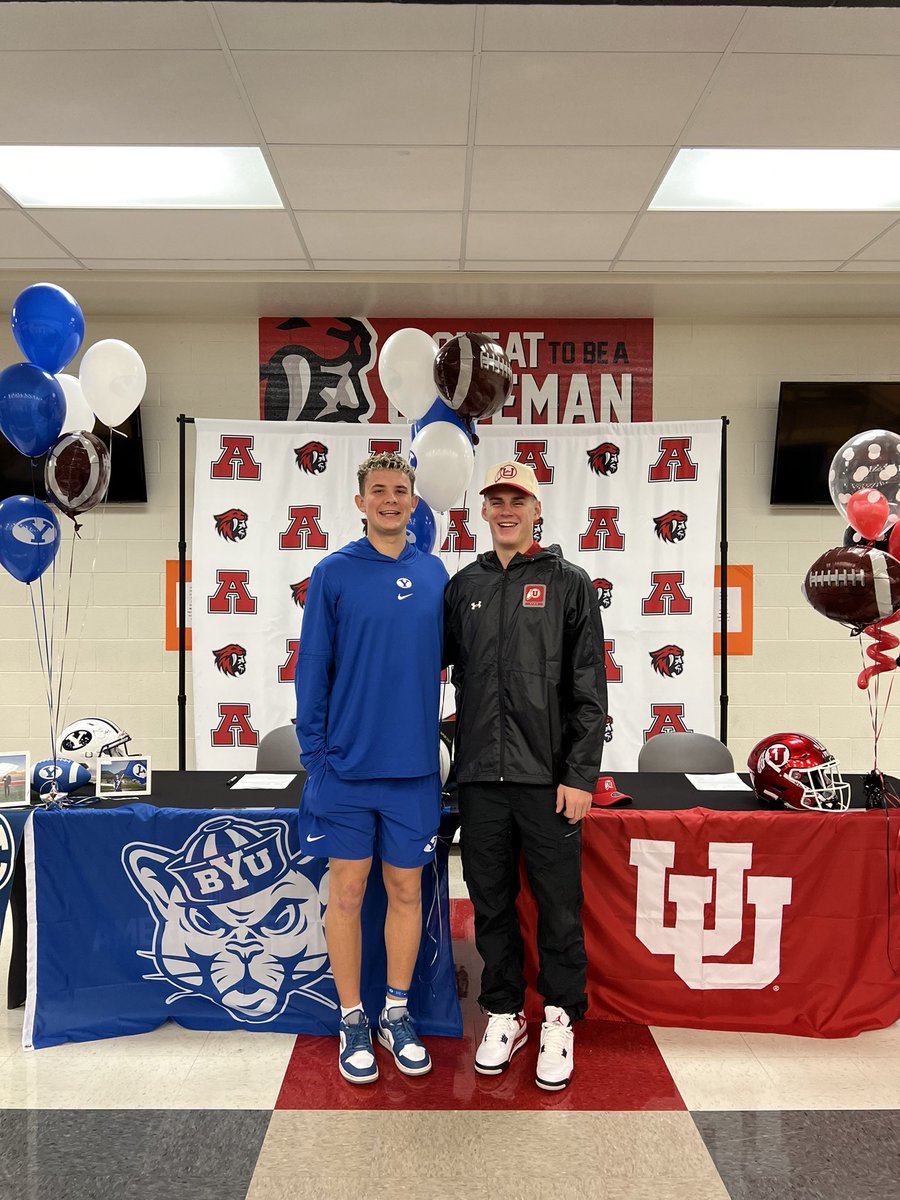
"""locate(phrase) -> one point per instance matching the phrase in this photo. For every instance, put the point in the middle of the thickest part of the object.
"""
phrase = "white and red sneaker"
(505, 1034)
(556, 1060)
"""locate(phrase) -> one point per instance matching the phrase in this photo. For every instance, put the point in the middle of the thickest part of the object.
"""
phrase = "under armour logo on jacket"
(475, 604)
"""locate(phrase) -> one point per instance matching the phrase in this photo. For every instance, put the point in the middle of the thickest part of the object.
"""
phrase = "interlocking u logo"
(687, 940)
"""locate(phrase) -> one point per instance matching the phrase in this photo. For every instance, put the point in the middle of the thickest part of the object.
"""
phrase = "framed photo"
(15, 778)
(123, 776)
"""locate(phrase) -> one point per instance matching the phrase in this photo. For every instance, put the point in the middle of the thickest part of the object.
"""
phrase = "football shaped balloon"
(855, 586)
(65, 773)
(473, 375)
(76, 474)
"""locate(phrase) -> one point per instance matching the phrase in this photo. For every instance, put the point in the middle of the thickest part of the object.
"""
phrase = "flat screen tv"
(814, 421)
(127, 480)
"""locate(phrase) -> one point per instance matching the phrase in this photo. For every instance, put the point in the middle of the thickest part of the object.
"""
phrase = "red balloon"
(893, 546)
(867, 512)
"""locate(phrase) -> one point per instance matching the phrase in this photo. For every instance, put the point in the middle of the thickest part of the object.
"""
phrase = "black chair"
(695, 753)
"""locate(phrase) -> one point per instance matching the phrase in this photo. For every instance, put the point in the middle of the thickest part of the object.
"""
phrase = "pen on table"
(232, 781)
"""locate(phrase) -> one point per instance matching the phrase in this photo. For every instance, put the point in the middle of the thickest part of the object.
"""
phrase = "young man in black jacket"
(523, 631)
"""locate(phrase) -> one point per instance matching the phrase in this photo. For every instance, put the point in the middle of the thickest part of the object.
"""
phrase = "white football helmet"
(86, 740)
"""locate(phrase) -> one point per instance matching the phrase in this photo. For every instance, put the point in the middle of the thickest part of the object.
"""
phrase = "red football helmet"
(798, 771)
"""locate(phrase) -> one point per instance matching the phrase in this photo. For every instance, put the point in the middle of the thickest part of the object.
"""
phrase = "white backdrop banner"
(633, 504)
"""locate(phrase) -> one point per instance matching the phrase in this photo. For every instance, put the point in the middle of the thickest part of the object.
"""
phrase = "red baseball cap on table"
(606, 794)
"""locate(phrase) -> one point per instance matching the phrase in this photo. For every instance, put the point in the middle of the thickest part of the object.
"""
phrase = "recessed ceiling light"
(137, 177)
(780, 180)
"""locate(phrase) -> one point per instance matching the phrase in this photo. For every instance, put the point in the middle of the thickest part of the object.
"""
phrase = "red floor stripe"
(618, 1067)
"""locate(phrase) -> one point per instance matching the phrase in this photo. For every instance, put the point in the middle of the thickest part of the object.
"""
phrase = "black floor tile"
(50, 1154)
(805, 1155)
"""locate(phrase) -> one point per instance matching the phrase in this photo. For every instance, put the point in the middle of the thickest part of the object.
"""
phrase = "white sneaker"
(505, 1034)
(556, 1060)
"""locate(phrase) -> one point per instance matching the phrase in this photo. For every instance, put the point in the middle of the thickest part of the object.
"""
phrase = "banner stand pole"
(723, 588)
(182, 592)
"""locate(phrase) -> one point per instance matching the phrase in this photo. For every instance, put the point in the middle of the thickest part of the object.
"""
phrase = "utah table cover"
(214, 919)
(774, 922)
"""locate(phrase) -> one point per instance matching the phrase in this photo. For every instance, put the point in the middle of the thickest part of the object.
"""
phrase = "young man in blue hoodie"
(368, 691)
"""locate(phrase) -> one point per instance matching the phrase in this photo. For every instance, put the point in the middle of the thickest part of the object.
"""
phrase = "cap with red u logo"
(606, 793)
(512, 474)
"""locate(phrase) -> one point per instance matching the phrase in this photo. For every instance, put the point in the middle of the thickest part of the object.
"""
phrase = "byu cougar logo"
(237, 920)
(687, 939)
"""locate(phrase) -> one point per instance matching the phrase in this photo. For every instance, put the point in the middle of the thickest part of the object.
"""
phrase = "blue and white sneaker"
(356, 1058)
(401, 1039)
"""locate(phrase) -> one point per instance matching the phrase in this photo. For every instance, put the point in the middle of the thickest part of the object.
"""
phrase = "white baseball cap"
(512, 474)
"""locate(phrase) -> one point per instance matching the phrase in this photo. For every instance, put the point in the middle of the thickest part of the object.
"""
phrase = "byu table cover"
(214, 920)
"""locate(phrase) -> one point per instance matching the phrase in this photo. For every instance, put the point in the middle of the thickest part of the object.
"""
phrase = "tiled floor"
(653, 1114)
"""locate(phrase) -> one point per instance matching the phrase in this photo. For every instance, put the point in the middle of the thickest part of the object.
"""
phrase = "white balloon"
(113, 378)
(406, 371)
(79, 414)
(444, 464)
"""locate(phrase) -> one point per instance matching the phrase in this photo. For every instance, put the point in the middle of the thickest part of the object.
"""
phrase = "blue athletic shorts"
(354, 818)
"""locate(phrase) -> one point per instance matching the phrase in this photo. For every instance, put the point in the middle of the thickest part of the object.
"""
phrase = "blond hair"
(384, 462)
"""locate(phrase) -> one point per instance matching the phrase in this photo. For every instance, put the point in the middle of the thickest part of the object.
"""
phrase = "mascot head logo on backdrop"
(319, 373)
(312, 458)
(604, 590)
(667, 660)
(231, 525)
(671, 526)
(298, 592)
(604, 459)
(237, 923)
(231, 659)
(608, 729)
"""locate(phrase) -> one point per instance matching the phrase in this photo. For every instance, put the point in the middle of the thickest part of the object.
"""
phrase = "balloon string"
(883, 641)
(45, 673)
(65, 637)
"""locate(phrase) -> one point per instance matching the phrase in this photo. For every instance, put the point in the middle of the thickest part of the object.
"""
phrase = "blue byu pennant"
(142, 914)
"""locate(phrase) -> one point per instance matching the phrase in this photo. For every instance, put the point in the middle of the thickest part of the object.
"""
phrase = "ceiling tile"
(564, 178)
(265, 26)
(738, 268)
(390, 178)
(859, 264)
(545, 27)
(588, 99)
(541, 237)
(143, 234)
(367, 236)
(819, 31)
(109, 97)
(887, 246)
(359, 98)
(751, 237)
(199, 264)
(386, 264)
(537, 266)
(21, 238)
(800, 100)
(94, 26)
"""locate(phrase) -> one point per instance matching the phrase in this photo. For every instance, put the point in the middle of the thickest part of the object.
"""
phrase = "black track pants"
(499, 819)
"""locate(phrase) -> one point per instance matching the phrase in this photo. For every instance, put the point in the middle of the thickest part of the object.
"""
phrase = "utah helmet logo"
(312, 458)
(231, 524)
(671, 526)
(230, 659)
(667, 660)
(238, 918)
(604, 590)
(604, 459)
(298, 592)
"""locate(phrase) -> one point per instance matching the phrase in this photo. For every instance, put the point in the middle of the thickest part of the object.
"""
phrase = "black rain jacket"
(529, 668)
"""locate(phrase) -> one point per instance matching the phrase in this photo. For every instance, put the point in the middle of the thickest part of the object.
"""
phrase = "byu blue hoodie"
(369, 664)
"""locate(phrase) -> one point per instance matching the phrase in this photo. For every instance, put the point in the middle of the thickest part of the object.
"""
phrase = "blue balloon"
(32, 408)
(440, 411)
(421, 529)
(29, 537)
(48, 325)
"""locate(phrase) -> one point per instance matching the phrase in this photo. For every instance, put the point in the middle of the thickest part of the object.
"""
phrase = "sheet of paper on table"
(730, 781)
(254, 782)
